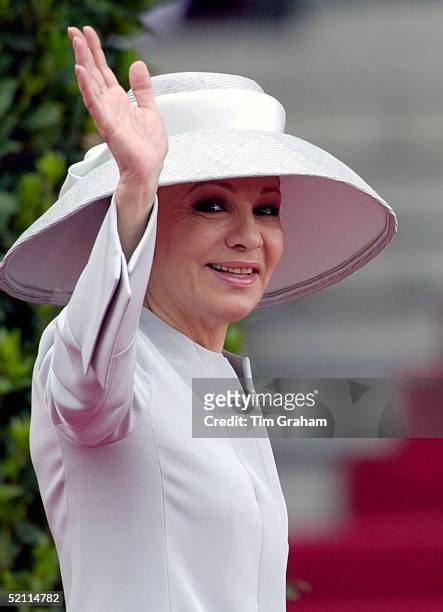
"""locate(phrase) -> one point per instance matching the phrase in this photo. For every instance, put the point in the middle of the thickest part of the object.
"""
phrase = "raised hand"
(136, 136)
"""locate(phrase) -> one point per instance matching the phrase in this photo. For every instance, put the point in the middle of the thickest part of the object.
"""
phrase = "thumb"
(140, 81)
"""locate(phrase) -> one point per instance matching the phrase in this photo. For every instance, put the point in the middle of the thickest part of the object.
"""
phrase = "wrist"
(139, 194)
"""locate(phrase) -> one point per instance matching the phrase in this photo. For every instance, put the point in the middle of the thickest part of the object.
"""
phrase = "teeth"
(233, 270)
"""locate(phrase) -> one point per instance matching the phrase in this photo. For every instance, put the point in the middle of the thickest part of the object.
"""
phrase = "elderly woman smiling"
(196, 209)
(218, 243)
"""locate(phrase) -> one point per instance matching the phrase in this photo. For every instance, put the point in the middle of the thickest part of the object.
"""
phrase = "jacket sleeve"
(89, 379)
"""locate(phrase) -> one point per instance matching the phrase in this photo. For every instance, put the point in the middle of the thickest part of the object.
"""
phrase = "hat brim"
(333, 221)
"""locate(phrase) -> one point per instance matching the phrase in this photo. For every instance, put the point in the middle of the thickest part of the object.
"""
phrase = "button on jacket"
(146, 518)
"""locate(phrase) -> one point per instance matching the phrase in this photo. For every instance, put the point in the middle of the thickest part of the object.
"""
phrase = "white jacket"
(146, 518)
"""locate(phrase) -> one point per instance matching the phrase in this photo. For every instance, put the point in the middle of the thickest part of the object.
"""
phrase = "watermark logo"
(298, 407)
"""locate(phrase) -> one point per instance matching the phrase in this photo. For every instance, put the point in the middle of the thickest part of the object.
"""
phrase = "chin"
(233, 308)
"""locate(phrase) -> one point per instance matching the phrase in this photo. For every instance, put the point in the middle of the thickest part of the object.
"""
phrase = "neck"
(198, 330)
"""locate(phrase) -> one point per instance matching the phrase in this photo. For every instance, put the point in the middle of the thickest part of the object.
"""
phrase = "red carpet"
(413, 478)
(375, 604)
(389, 555)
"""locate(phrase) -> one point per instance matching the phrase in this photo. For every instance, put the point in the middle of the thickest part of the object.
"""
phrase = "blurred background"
(361, 80)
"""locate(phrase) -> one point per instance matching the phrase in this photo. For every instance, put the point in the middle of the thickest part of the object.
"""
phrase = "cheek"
(195, 232)
(182, 242)
(172, 236)
(274, 247)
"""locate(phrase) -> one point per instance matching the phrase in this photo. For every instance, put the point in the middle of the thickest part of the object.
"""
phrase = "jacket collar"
(242, 367)
(172, 342)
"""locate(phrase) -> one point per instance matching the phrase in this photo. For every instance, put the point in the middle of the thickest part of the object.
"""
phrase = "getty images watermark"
(244, 403)
(328, 407)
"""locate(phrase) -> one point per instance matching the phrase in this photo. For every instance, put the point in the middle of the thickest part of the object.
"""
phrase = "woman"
(163, 235)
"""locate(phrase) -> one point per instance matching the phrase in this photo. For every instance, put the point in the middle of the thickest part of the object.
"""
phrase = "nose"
(244, 232)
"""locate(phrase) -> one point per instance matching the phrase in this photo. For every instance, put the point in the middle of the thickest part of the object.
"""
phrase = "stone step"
(384, 40)
(363, 346)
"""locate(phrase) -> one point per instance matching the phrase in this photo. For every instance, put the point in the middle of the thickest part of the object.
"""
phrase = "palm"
(135, 135)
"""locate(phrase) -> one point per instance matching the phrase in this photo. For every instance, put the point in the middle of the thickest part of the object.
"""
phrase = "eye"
(209, 205)
(267, 210)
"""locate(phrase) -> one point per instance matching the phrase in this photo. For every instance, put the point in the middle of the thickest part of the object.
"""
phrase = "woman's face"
(229, 223)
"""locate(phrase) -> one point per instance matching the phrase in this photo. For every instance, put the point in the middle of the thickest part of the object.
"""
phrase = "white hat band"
(221, 108)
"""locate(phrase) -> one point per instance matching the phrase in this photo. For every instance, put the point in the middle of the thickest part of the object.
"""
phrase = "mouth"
(237, 275)
(239, 272)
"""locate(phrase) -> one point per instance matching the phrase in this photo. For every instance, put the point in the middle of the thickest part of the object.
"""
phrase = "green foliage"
(44, 128)
(234, 338)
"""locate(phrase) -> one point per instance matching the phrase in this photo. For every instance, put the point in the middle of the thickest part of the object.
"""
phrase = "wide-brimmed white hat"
(219, 126)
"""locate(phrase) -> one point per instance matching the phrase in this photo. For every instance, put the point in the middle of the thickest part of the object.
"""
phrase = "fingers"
(81, 61)
(89, 96)
(140, 81)
(98, 55)
(88, 85)
(85, 58)
(79, 45)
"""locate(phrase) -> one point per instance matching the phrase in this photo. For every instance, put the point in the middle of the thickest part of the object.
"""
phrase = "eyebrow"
(230, 187)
